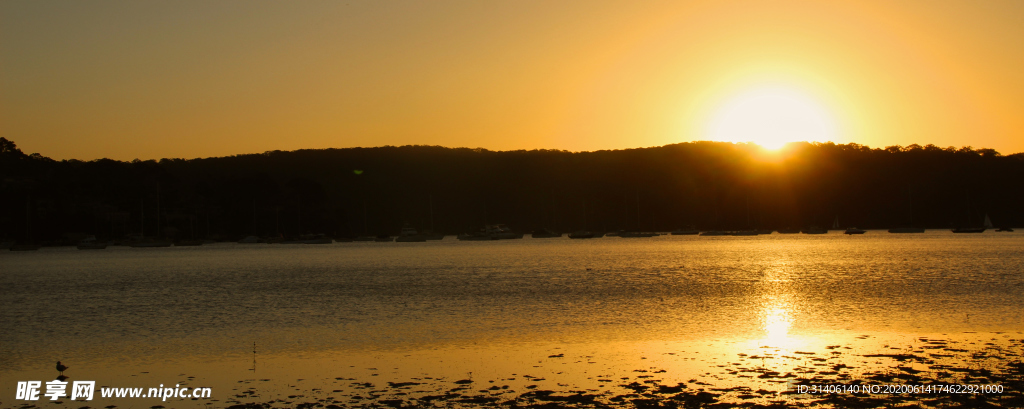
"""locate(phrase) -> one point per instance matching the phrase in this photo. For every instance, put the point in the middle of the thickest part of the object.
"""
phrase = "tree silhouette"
(710, 185)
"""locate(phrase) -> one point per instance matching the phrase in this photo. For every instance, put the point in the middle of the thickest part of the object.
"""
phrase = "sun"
(772, 116)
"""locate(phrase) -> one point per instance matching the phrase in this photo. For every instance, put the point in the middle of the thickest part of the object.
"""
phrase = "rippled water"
(191, 306)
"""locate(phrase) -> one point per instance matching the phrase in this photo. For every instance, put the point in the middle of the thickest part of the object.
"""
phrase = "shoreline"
(565, 376)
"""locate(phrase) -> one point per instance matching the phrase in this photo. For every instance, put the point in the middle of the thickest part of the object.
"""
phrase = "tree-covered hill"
(357, 191)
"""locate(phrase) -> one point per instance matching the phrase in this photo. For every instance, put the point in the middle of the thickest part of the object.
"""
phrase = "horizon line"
(748, 143)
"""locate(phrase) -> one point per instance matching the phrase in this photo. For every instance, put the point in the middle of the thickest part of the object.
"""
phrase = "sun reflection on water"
(777, 309)
(776, 320)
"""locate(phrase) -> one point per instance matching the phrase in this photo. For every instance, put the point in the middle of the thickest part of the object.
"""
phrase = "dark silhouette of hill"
(357, 191)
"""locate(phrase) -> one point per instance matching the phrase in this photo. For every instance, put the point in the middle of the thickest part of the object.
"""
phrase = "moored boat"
(814, 230)
(854, 230)
(636, 234)
(410, 235)
(906, 230)
(544, 234)
(491, 232)
(188, 243)
(316, 239)
(987, 225)
(90, 243)
(685, 232)
(430, 235)
(476, 236)
(502, 232)
(581, 234)
(150, 243)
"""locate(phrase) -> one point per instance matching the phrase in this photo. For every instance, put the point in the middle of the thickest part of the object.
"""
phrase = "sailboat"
(30, 246)
(429, 234)
(685, 232)
(814, 230)
(906, 230)
(192, 241)
(637, 233)
(410, 235)
(91, 243)
(818, 230)
(849, 230)
(150, 243)
(581, 234)
(154, 242)
(545, 234)
(910, 202)
(986, 226)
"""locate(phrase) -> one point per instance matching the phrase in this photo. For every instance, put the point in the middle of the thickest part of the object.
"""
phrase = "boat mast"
(910, 194)
(158, 209)
(638, 209)
(748, 211)
(554, 211)
(584, 214)
(28, 219)
(968, 207)
(625, 206)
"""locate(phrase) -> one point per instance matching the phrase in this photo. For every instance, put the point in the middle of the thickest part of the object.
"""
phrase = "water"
(127, 316)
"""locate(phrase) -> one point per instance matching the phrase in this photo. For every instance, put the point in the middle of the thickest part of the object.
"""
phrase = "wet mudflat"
(970, 372)
(960, 370)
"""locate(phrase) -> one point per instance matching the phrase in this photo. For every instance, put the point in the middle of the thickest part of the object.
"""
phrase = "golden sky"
(189, 79)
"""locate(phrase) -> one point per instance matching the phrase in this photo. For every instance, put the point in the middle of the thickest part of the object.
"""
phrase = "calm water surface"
(453, 307)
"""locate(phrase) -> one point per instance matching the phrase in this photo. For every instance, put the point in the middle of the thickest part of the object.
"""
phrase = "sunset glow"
(772, 117)
(195, 79)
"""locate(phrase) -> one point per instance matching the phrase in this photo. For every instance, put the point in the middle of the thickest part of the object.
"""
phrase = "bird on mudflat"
(61, 367)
